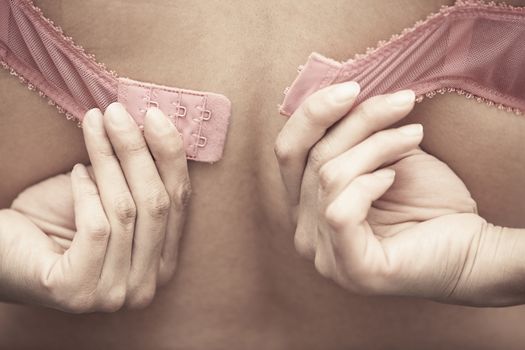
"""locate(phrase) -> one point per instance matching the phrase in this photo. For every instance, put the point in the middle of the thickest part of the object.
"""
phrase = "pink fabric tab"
(201, 117)
(473, 48)
(317, 73)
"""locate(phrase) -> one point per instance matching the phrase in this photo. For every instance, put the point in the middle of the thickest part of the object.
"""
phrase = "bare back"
(240, 283)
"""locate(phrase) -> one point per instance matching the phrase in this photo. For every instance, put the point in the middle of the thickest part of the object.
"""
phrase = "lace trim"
(470, 96)
(32, 87)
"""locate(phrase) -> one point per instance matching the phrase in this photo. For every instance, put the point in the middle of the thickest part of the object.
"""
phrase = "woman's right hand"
(129, 214)
(416, 234)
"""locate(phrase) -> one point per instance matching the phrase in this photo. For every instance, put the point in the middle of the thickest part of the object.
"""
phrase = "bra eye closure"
(150, 103)
(201, 140)
(206, 115)
(180, 111)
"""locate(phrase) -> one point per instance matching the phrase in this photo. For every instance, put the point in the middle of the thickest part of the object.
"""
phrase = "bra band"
(472, 48)
(38, 52)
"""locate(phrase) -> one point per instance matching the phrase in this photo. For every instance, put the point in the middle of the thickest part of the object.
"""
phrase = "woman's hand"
(105, 237)
(377, 214)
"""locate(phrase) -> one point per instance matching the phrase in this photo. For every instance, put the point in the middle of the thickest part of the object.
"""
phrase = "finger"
(165, 143)
(324, 260)
(88, 249)
(116, 199)
(382, 148)
(373, 115)
(150, 196)
(357, 251)
(307, 126)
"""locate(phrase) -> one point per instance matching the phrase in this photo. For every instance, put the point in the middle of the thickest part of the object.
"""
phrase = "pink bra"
(38, 52)
(473, 48)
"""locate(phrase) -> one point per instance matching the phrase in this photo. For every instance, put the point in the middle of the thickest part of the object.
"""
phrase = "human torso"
(240, 283)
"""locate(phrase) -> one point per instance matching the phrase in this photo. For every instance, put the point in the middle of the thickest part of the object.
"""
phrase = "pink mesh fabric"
(473, 48)
(37, 51)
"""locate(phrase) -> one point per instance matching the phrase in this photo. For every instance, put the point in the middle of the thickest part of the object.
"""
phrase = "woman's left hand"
(377, 214)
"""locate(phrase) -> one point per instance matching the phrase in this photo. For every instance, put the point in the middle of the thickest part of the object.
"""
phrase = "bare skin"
(240, 282)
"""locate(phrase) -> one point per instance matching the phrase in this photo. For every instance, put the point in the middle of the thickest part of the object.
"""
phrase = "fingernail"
(346, 91)
(411, 130)
(401, 98)
(80, 170)
(94, 118)
(118, 115)
(385, 173)
(157, 119)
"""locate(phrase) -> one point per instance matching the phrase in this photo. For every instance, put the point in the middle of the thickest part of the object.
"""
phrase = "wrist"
(498, 273)
(5, 243)
(18, 258)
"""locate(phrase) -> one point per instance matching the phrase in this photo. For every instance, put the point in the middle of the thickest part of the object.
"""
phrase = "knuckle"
(105, 151)
(321, 266)
(351, 276)
(125, 209)
(389, 272)
(365, 278)
(327, 175)
(304, 246)
(134, 147)
(142, 297)
(365, 285)
(360, 287)
(114, 299)
(172, 145)
(319, 154)
(180, 197)
(77, 305)
(469, 205)
(283, 150)
(472, 206)
(384, 279)
(357, 213)
(335, 216)
(158, 203)
(175, 148)
(315, 107)
(98, 229)
(311, 108)
(366, 113)
(166, 272)
(87, 188)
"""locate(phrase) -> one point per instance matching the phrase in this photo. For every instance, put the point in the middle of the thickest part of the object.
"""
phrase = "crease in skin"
(472, 48)
(48, 214)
